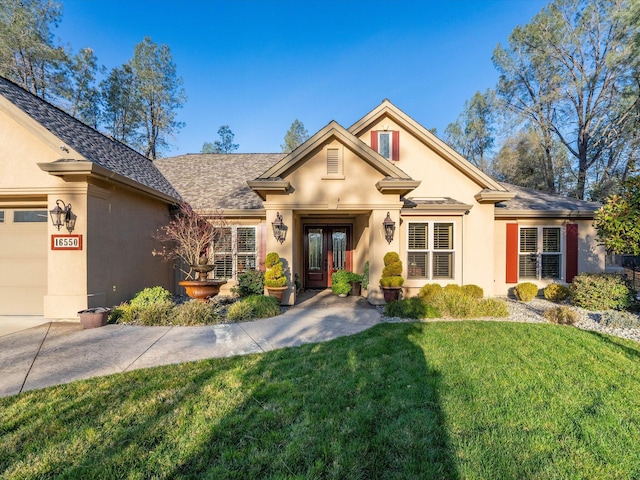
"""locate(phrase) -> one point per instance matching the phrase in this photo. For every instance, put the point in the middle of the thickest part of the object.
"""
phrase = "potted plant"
(274, 278)
(190, 238)
(340, 282)
(355, 280)
(392, 281)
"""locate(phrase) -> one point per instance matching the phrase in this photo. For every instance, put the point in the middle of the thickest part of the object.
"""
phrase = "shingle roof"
(211, 181)
(90, 143)
(529, 199)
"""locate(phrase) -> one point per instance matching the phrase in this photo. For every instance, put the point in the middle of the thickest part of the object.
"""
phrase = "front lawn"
(414, 400)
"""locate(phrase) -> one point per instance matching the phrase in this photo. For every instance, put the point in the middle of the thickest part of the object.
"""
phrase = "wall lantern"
(279, 228)
(63, 216)
(389, 228)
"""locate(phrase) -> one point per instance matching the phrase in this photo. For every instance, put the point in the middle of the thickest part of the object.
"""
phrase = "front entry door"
(327, 249)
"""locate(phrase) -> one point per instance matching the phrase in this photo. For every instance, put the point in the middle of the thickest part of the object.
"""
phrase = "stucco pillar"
(67, 269)
(285, 249)
(378, 247)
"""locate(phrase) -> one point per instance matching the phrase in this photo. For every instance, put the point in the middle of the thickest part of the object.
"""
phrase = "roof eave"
(493, 196)
(577, 214)
(264, 187)
(397, 186)
(437, 209)
(66, 168)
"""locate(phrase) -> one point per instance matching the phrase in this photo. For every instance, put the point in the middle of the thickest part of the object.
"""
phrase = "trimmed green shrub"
(473, 291)
(526, 291)
(194, 312)
(239, 311)
(619, 319)
(263, 306)
(392, 271)
(453, 288)
(429, 291)
(411, 308)
(341, 276)
(491, 307)
(601, 291)
(562, 315)
(274, 276)
(250, 282)
(556, 293)
(365, 275)
(150, 295)
(394, 281)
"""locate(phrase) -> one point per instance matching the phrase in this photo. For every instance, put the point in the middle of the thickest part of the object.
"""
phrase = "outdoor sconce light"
(63, 216)
(389, 228)
(279, 228)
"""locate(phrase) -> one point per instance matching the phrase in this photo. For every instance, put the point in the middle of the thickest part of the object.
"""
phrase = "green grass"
(476, 400)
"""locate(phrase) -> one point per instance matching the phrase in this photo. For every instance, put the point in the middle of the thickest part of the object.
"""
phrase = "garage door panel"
(23, 263)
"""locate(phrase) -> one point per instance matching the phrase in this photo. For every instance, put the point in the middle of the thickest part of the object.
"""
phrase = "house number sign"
(66, 242)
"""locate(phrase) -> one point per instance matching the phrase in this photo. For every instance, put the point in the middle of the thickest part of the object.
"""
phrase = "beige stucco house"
(118, 199)
(453, 223)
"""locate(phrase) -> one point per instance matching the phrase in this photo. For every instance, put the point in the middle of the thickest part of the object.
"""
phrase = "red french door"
(327, 248)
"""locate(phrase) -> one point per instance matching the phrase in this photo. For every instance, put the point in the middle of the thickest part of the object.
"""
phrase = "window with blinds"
(235, 251)
(430, 252)
(540, 253)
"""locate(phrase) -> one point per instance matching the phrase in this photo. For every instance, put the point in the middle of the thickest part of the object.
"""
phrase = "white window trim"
(539, 253)
(234, 253)
(430, 250)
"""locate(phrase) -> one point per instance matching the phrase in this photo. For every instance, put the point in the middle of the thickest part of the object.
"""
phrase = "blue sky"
(257, 66)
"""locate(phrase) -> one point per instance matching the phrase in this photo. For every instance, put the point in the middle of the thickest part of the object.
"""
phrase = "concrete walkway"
(38, 353)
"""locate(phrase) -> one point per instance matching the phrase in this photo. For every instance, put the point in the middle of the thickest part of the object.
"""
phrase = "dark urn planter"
(94, 317)
(201, 290)
(391, 294)
(356, 289)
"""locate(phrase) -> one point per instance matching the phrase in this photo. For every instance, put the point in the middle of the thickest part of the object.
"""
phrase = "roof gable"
(91, 145)
(387, 110)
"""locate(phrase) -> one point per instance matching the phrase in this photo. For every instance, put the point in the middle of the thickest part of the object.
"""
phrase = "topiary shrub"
(341, 288)
(473, 291)
(411, 308)
(150, 295)
(250, 282)
(601, 291)
(562, 315)
(392, 271)
(556, 293)
(429, 291)
(619, 319)
(491, 307)
(263, 306)
(526, 291)
(274, 276)
(194, 312)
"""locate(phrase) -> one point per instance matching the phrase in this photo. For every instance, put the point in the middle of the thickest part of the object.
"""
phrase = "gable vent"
(333, 162)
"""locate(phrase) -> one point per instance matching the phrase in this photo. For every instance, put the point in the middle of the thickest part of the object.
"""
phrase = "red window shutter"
(572, 251)
(512, 253)
(395, 145)
(374, 140)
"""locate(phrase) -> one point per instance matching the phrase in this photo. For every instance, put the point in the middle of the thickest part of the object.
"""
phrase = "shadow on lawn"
(615, 342)
(360, 407)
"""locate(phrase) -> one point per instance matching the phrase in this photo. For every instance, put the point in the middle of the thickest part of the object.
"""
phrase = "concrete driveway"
(35, 353)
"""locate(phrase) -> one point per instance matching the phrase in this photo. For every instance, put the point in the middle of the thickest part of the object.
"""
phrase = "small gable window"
(386, 143)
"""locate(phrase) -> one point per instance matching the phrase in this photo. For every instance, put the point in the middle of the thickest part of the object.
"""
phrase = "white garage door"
(23, 261)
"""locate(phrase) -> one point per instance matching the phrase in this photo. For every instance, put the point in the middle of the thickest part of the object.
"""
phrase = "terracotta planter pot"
(94, 317)
(391, 294)
(201, 290)
(277, 292)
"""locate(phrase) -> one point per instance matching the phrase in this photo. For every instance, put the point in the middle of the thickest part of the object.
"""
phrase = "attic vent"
(333, 161)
